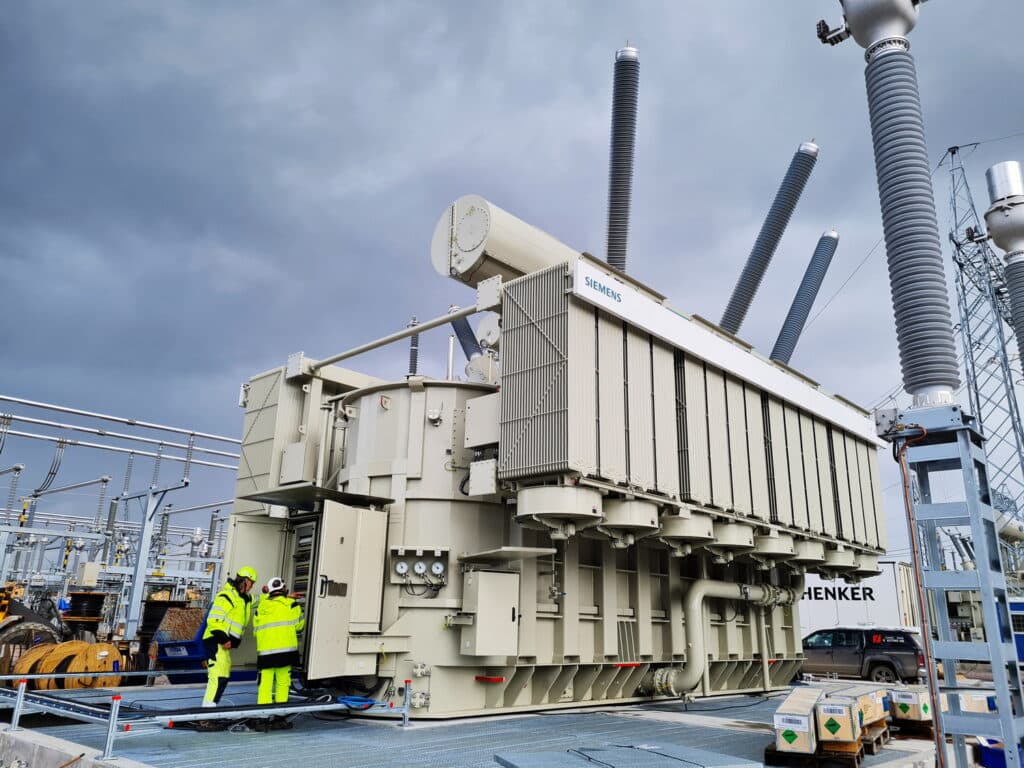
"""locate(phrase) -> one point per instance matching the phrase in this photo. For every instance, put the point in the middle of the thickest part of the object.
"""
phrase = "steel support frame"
(944, 440)
(154, 499)
(986, 328)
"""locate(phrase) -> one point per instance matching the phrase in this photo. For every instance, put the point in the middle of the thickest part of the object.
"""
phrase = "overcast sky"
(191, 191)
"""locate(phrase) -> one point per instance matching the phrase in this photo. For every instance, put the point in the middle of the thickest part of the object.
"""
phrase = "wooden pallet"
(773, 756)
(847, 753)
(917, 728)
(875, 736)
(841, 753)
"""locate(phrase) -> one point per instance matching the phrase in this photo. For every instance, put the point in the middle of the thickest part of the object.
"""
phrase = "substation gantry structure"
(986, 329)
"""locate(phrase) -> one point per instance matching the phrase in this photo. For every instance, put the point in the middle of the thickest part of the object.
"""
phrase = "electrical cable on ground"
(588, 758)
(759, 700)
(329, 717)
(660, 754)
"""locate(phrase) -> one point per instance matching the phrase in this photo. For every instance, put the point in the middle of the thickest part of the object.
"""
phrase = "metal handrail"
(25, 701)
(136, 673)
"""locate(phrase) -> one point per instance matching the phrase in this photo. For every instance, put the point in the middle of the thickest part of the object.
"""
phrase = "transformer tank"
(625, 510)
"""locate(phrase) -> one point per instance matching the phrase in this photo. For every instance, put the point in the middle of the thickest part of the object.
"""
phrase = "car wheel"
(882, 673)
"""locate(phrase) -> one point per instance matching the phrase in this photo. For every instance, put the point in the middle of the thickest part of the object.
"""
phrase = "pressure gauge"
(437, 568)
(401, 567)
(419, 567)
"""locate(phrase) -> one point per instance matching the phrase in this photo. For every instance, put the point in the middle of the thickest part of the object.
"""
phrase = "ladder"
(942, 449)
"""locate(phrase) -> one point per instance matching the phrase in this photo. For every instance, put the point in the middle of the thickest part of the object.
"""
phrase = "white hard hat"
(274, 585)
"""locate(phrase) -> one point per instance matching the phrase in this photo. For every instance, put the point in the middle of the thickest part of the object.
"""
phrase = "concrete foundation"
(32, 749)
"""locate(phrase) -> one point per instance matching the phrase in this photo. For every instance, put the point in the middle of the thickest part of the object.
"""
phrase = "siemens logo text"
(614, 295)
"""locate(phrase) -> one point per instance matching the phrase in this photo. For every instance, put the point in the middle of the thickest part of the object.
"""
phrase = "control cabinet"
(492, 598)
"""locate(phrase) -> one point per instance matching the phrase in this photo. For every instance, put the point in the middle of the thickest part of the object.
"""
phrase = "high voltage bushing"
(467, 339)
(768, 238)
(623, 141)
(1005, 222)
(805, 296)
(924, 324)
(414, 350)
(1015, 286)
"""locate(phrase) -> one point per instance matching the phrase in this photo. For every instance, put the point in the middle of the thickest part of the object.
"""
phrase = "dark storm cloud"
(191, 191)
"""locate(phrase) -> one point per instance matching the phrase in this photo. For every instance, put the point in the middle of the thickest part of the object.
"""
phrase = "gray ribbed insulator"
(768, 238)
(414, 350)
(924, 327)
(623, 140)
(414, 354)
(805, 296)
(467, 339)
(211, 535)
(1015, 287)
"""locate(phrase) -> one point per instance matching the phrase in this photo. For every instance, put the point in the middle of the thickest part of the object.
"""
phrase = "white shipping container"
(887, 600)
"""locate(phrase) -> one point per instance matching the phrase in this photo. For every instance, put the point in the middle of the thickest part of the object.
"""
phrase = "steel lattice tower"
(985, 328)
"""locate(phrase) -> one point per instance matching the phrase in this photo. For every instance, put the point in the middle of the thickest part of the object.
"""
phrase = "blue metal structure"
(986, 328)
(1017, 626)
(932, 443)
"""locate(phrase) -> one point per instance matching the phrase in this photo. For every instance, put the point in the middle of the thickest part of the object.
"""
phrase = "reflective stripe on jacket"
(276, 625)
(229, 615)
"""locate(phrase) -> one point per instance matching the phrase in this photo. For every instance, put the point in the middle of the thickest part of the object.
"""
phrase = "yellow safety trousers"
(274, 685)
(217, 673)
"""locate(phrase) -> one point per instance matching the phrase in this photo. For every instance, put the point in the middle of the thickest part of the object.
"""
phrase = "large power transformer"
(621, 504)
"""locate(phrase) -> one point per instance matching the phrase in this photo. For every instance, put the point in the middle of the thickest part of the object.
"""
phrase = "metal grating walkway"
(456, 744)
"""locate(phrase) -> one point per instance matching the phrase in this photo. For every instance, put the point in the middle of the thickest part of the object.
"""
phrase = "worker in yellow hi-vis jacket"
(276, 625)
(229, 615)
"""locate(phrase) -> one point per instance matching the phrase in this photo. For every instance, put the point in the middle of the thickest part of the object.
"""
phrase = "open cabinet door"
(346, 590)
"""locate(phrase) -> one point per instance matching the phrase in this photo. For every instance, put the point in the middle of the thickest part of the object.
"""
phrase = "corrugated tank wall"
(272, 415)
(534, 436)
(585, 392)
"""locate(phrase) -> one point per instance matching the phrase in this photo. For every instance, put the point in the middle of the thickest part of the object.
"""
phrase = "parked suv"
(879, 654)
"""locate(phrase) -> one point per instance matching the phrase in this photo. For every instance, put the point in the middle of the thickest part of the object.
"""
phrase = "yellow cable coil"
(29, 660)
(57, 661)
(96, 657)
(74, 656)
